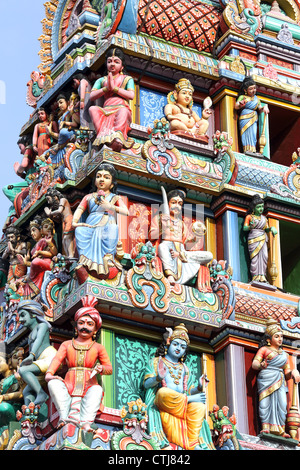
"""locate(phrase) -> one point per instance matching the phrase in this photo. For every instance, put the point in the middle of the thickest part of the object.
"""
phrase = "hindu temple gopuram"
(150, 259)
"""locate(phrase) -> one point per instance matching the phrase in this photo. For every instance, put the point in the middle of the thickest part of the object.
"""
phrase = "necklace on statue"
(172, 368)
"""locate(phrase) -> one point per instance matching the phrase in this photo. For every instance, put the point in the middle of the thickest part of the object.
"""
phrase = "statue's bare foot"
(41, 397)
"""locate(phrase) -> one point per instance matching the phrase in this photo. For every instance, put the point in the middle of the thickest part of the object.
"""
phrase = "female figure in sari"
(257, 226)
(272, 363)
(98, 236)
(112, 120)
(249, 105)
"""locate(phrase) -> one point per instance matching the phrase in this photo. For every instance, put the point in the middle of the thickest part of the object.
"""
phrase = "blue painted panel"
(231, 242)
(152, 105)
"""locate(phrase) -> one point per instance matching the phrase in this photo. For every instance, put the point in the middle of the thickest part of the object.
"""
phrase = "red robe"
(80, 361)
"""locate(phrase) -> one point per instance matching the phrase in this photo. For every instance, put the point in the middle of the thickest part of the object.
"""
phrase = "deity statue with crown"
(272, 364)
(184, 121)
(176, 407)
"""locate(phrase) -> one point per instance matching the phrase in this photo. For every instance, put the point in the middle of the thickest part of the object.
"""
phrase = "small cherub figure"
(180, 114)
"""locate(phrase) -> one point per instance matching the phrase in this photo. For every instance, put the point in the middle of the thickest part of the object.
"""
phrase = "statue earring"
(94, 336)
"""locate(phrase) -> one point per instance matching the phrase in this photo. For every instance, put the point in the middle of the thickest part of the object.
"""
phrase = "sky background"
(20, 28)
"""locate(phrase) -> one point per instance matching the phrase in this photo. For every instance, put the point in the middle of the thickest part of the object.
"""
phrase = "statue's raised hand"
(161, 370)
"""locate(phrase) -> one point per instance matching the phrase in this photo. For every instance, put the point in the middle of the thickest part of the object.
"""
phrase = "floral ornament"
(222, 142)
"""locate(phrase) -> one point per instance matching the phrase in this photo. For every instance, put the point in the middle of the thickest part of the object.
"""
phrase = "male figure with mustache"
(78, 397)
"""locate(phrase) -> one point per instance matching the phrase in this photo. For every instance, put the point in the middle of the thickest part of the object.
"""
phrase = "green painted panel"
(131, 358)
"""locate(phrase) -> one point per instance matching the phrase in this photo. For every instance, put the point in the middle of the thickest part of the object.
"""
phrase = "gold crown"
(180, 332)
(272, 327)
(182, 84)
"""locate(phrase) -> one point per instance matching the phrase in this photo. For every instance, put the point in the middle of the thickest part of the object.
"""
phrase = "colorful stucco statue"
(83, 87)
(224, 429)
(40, 260)
(58, 209)
(179, 264)
(10, 387)
(179, 111)
(272, 364)
(134, 435)
(33, 368)
(41, 140)
(68, 121)
(257, 226)
(16, 249)
(249, 107)
(97, 238)
(78, 396)
(176, 408)
(26, 149)
(112, 120)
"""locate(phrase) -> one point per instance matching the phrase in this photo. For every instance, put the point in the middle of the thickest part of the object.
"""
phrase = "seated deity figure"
(40, 258)
(170, 230)
(112, 120)
(16, 248)
(78, 396)
(10, 386)
(176, 408)
(33, 368)
(68, 122)
(25, 168)
(97, 238)
(180, 114)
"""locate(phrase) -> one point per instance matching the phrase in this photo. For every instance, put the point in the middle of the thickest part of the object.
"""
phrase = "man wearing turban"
(78, 396)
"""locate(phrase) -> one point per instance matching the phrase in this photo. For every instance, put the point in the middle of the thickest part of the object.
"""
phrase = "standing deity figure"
(59, 209)
(176, 408)
(273, 368)
(249, 106)
(10, 386)
(97, 238)
(33, 368)
(257, 225)
(15, 251)
(179, 265)
(41, 139)
(180, 114)
(112, 120)
(78, 396)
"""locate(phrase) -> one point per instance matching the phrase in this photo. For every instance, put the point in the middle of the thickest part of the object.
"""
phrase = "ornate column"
(236, 385)
(275, 253)
(231, 242)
